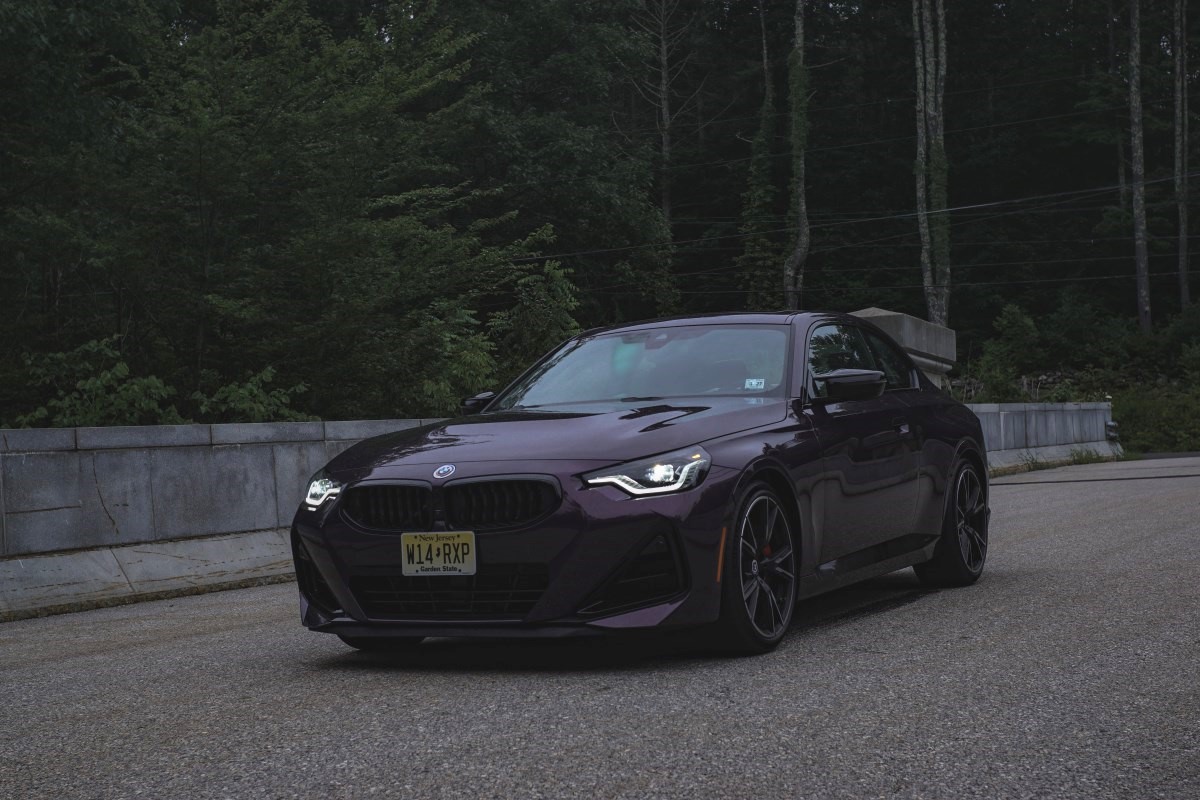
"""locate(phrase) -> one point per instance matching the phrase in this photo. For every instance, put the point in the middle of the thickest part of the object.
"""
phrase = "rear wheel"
(382, 644)
(759, 585)
(962, 549)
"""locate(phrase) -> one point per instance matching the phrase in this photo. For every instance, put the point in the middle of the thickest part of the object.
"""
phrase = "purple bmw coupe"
(702, 471)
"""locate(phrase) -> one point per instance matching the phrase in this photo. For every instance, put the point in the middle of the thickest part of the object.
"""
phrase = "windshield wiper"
(638, 399)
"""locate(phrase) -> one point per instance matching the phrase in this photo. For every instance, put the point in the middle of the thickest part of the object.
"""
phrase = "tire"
(961, 550)
(758, 587)
(382, 644)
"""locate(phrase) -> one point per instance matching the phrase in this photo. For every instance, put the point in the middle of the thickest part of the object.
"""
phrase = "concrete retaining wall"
(69, 488)
(92, 516)
(1016, 433)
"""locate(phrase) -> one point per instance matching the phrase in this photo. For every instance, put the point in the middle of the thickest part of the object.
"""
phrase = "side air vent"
(491, 505)
(655, 575)
(389, 507)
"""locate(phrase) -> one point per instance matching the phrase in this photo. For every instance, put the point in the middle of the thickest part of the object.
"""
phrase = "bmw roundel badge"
(444, 471)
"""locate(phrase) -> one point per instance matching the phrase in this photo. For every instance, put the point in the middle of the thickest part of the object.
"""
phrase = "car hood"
(580, 432)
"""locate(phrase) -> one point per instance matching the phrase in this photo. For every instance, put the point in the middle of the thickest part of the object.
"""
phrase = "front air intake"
(654, 575)
(310, 580)
(497, 591)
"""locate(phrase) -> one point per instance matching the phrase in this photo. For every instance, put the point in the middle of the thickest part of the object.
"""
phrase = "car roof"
(718, 318)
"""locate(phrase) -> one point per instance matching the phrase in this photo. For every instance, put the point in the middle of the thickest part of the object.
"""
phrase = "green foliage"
(398, 204)
(250, 401)
(92, 385)
(539, 319)
(1156, 419)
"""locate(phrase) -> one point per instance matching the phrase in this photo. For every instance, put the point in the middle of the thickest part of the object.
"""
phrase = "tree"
(759, 259)
(1179, 45)
(932, 166)
(797, 259)
(1141, 254)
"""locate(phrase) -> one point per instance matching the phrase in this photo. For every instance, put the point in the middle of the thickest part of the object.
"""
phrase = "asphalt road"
(1072, 670)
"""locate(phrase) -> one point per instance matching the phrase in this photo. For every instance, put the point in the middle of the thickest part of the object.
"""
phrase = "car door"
(870, 456)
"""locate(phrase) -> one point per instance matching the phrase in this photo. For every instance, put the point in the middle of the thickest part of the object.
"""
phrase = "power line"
(907, 215)
(955, 285)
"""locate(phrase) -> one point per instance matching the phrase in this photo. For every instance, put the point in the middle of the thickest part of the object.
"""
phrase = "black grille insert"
(653, 576)
(390, 507)
(497, 591)
(491, 505)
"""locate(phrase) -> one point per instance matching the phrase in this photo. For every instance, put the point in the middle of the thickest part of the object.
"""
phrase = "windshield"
(684, 361)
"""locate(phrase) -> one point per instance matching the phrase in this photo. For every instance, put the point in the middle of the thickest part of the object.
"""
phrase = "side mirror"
(852, 384)
(473, 405)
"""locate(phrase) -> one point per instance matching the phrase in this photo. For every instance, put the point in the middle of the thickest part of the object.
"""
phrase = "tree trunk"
(797, 259)
(665, 119)
(1114, 72)
(1181, 146)
(759, 260)
(1141, 256)
(939, 165)
(931, 169)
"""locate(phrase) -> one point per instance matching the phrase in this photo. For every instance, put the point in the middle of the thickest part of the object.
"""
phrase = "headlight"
(670, 472)
(320, 489)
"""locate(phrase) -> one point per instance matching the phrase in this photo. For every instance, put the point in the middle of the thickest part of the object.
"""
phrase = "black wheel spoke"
(970, 516)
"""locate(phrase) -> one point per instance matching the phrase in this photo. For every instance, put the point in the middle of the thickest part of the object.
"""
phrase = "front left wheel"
(759, 582)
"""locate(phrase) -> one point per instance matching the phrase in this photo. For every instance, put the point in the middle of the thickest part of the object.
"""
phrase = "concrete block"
(21, 440)
(357, 430)
(186, 563)
(224, 489)
(60, 579)
(983, 408)
(294, 465)
(117, 496)
(914, 334)
(3, 546)
(46, 531)
(990, 422)
(142, 436)
(1012, 430)
(40, 481)
(256, 432)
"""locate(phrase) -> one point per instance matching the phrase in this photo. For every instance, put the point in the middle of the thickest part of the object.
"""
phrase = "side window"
(895, 366)
(833, 347)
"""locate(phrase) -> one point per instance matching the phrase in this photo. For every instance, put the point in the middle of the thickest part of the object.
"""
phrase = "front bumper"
(560, 573)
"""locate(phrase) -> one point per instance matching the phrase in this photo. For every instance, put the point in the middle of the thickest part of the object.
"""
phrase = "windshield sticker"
(756, 383)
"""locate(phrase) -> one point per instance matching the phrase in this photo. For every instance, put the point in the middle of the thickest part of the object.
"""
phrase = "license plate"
(451, 553)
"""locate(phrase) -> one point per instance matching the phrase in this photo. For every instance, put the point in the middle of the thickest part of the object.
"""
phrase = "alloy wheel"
(970, 512)
(767, 566)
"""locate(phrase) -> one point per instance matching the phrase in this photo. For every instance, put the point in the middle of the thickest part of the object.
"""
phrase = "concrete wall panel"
(40, 440)
(117, 495)
(40, 481)
(47, 531)
(141, 436)
(254, 432)
(200, 491)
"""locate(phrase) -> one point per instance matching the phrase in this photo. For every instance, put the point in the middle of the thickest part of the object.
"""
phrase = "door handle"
(900, 424)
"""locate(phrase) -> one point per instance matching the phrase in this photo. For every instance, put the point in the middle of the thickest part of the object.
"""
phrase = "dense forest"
(285, 209)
